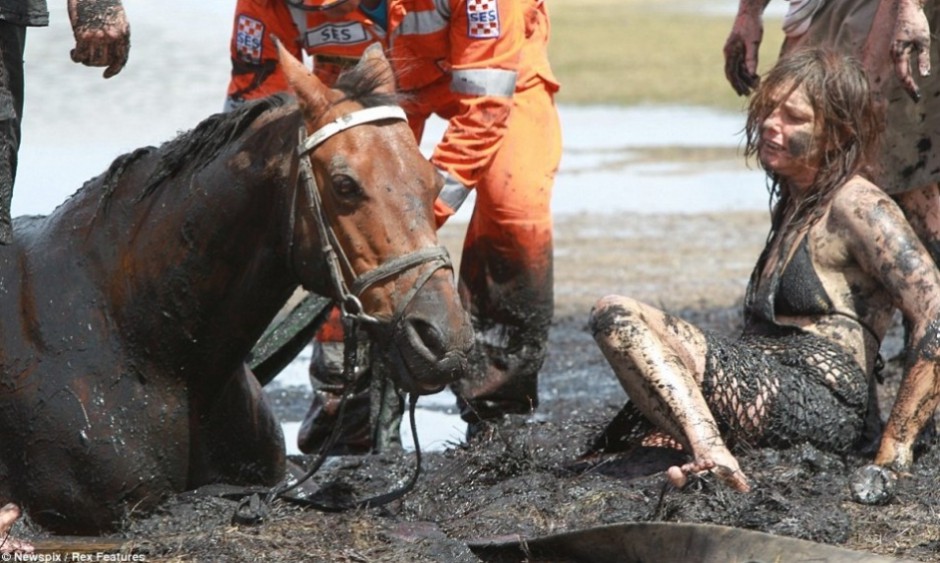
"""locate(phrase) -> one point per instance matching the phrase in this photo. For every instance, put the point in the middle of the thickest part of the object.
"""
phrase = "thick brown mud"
(527, 479)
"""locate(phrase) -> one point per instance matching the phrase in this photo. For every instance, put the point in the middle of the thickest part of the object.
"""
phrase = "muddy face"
(800, 145)
(786, 145)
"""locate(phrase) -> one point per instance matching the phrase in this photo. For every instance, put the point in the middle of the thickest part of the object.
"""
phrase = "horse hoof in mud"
(126, 314)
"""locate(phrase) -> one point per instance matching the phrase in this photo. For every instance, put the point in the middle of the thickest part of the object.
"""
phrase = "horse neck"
(203, 256)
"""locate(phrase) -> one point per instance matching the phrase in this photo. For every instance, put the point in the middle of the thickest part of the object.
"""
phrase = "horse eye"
(345, 187)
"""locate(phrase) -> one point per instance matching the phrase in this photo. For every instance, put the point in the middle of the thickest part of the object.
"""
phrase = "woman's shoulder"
(858, 185)
(861, 210)
(860, 197)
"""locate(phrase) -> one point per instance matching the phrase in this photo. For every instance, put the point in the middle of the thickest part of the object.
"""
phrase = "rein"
(252, 508)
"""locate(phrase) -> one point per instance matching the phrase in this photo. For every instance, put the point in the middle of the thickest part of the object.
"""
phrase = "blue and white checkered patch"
(483, 19)
(248, 39)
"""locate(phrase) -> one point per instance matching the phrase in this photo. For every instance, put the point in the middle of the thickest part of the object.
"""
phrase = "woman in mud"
(839, 259)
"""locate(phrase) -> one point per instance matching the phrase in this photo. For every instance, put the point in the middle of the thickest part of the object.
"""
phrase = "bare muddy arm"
(917, 400)
(102, 34)
(892, 253)
(742, 46)
(9, 514)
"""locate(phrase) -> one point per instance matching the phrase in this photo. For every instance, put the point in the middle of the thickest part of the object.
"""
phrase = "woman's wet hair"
(848, 124)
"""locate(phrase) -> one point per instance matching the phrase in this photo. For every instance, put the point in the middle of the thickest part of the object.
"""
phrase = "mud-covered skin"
(9, 514)
(909, 37)
(787, 139)
(811, 124)
(102, 34)
(660, 362)
(868, 260)
(917, 400)
(742, 46)
(125, 382)
(902, 22)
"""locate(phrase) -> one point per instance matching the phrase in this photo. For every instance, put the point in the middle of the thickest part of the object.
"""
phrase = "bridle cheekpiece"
(349, 298)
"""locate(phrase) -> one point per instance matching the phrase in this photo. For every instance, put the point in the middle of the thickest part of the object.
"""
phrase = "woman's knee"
(612, 312)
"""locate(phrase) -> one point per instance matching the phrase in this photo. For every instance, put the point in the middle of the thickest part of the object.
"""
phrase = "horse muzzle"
(425, 359)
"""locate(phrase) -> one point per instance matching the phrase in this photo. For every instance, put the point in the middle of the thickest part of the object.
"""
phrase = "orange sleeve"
(255, 72)
(486, 43)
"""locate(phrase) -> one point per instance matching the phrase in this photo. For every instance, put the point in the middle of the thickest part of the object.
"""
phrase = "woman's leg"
(660, 361)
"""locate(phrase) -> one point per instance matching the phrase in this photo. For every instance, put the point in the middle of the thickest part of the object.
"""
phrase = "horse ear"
(310, 91)
(374, 59)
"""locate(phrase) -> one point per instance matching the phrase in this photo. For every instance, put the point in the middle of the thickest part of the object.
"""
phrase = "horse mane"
(359, 84)
(203, 143)
(111, 177)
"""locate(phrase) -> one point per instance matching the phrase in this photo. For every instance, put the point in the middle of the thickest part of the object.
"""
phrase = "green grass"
(627, 52)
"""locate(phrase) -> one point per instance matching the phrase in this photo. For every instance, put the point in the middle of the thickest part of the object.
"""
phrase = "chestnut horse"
(126, 315)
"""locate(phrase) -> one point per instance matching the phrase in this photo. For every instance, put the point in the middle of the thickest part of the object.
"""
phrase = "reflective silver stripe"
(443, 8)
(453, 193)
(484, 82)
(422, 23)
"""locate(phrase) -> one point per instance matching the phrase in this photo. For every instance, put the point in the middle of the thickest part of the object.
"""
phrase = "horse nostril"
(430, 337)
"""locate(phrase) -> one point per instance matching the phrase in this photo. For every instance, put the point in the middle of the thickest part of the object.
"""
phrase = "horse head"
(364, 206)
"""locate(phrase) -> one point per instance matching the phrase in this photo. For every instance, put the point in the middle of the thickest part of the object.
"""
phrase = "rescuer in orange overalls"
(482, 65)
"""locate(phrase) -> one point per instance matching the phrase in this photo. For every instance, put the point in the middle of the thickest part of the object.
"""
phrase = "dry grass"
(627, 52)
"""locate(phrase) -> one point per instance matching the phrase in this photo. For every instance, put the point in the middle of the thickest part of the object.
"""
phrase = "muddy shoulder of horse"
(128, 312)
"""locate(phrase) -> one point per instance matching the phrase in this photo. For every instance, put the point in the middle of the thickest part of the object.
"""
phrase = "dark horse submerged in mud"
(126, 315)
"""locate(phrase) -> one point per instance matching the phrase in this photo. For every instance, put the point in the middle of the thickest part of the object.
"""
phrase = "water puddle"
(439, 425)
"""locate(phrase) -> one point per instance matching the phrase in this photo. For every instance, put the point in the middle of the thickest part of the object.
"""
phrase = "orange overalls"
(482, 65)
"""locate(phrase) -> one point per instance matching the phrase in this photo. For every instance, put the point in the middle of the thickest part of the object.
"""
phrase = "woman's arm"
(884, 245)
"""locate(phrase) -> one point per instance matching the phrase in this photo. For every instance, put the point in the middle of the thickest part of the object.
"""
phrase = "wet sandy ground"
(527, 481)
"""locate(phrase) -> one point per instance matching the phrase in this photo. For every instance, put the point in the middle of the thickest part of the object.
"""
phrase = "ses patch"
(248, 39)
(336, 34)
(483, 19)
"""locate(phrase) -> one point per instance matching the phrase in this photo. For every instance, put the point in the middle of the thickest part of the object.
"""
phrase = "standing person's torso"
(422, 38)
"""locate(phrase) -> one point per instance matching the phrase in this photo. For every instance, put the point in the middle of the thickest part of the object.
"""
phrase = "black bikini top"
(800, 293)
(796, 292)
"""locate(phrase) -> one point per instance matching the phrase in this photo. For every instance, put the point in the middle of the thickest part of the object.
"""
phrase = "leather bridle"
(348, 296)
(252, 506)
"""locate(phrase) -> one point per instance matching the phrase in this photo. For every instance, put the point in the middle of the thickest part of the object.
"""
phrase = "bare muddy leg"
(9, 514)
(659, 360)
